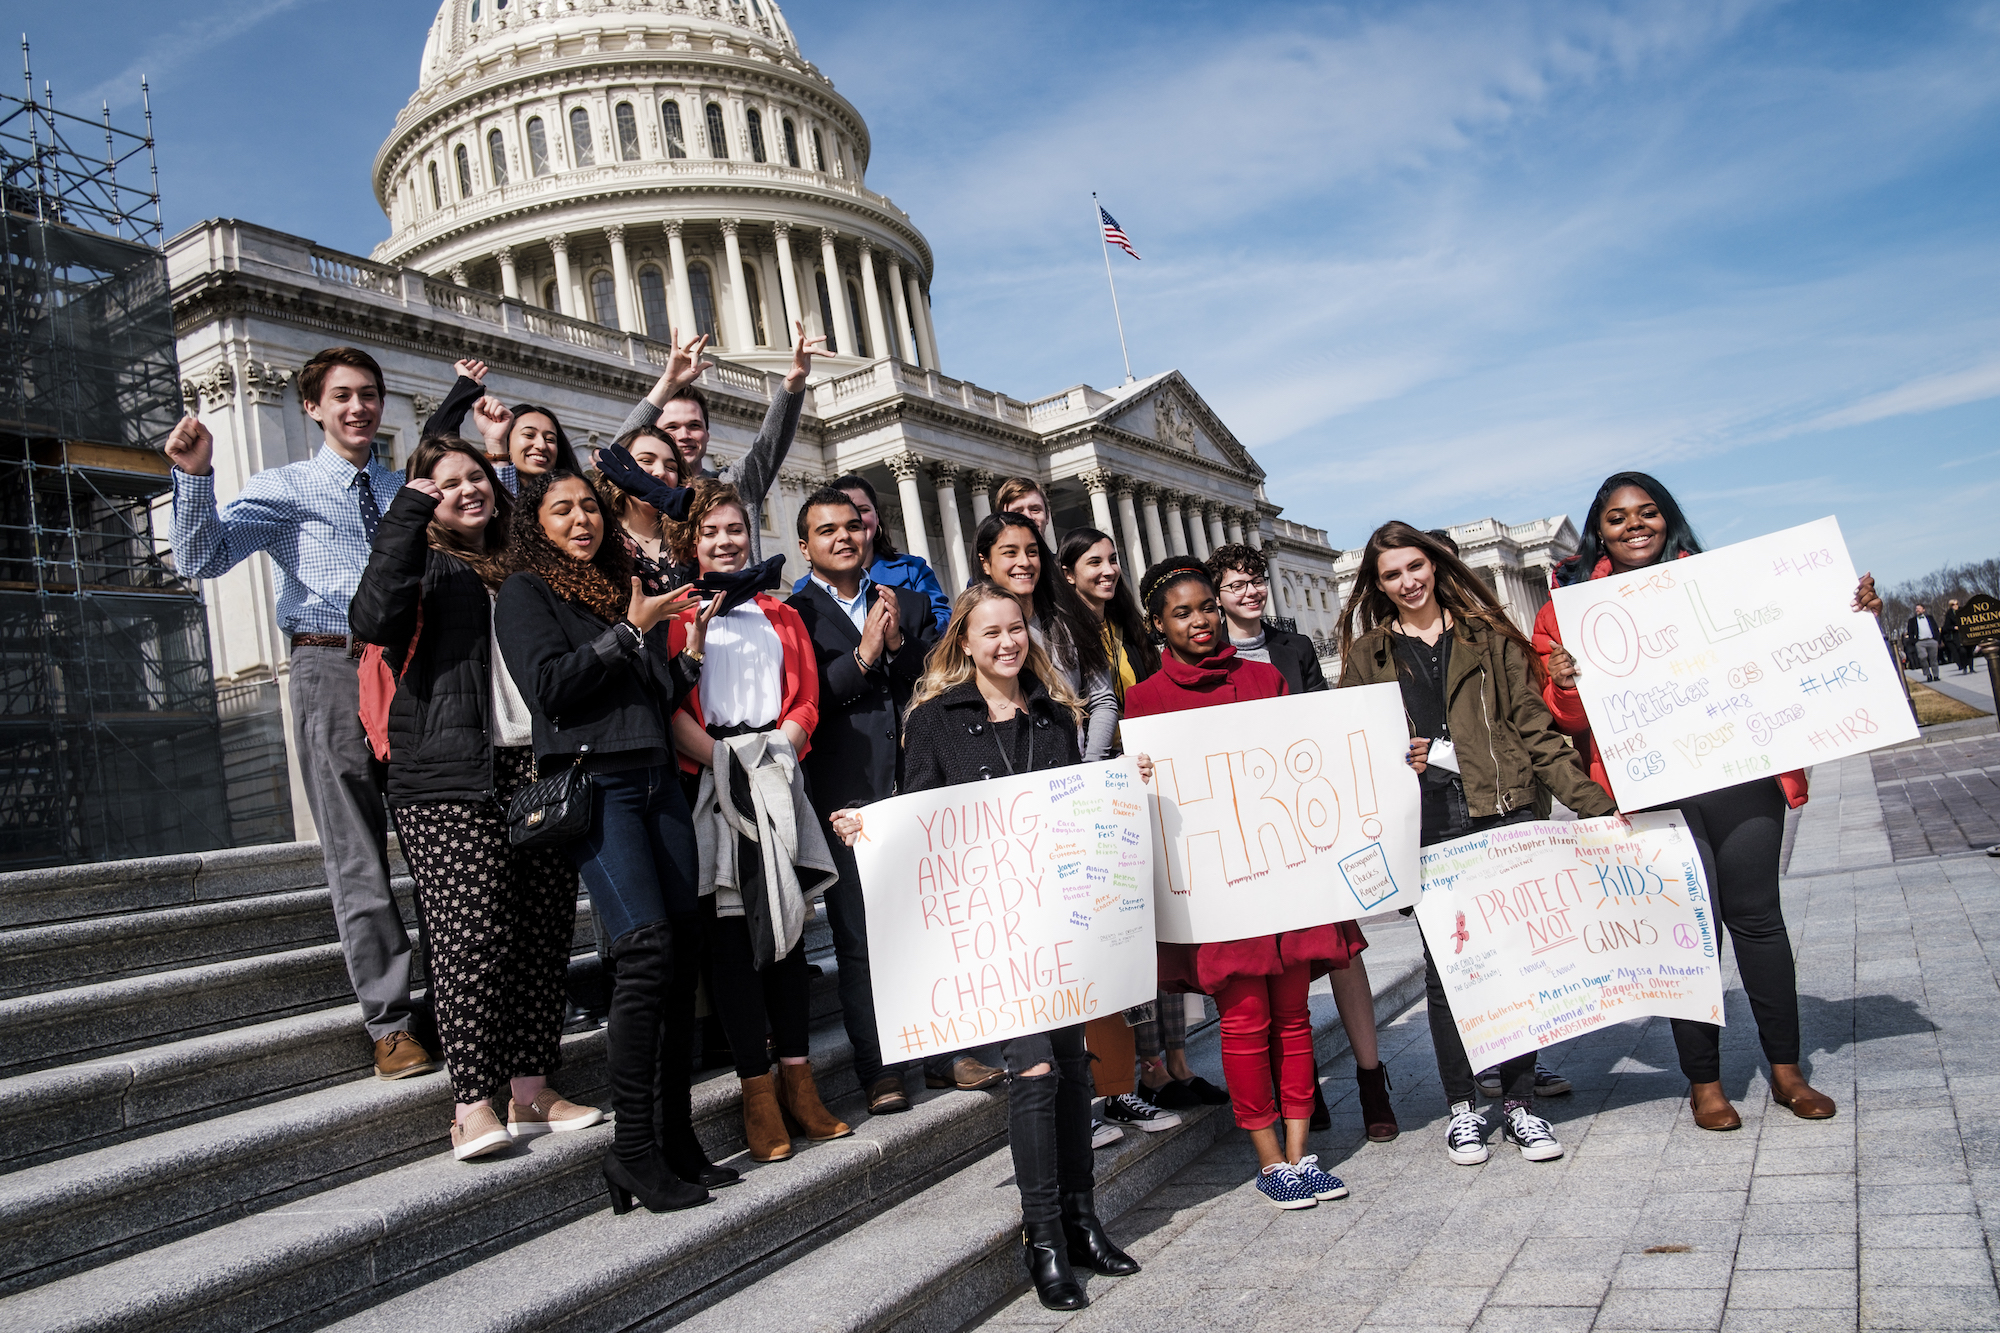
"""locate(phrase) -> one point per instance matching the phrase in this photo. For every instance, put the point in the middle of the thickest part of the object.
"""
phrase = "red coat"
(798, 699)
(1566, 706)
(1226, 679)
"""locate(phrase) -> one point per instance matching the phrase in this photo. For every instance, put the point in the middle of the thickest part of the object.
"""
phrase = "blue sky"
(1430, 261)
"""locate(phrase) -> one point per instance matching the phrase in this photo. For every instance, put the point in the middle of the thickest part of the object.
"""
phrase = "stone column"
(843, 327)
(560, 244)
(788, 279)
(871, 296)
(1134, 553)
(1098, 483)
(945, 475)
(1156, 541)
(1236, 526)
(906, 466)
(745, 332)
(510, 281)
(621, 280)
(906, 348)
(923, 313)
(1216, 536)
(1176, 530)
(981, 482)
(677, 255)
(1254, 528)
(1197, 534)
(924, 357)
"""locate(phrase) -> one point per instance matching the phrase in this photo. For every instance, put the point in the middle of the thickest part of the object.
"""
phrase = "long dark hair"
(601, 584)
(1590, 551)
(1458, 590)
(1075, 640)
(1122, 611)
(565, 454)
(488, 559)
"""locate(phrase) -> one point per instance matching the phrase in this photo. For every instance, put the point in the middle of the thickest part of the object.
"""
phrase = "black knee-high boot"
(642, 966)
(1076, 1174)
(673, 1121)
(1032, 1138)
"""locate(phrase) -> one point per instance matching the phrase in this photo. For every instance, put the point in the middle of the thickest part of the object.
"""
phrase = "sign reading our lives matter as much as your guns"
(1544, 931)
(1006, 907)
(1736, 664)
(1280, 814)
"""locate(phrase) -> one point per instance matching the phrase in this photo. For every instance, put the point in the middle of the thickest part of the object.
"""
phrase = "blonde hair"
(950, 665)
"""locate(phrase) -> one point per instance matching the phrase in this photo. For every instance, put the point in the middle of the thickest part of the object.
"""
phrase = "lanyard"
(1005, 761)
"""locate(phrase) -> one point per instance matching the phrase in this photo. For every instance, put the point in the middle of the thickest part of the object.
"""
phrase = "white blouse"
(512, 723)
(742, 669)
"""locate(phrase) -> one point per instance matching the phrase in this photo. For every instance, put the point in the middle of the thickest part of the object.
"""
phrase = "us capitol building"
(574, 178)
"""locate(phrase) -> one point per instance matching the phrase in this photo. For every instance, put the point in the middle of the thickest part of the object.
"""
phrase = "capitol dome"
(649, 165)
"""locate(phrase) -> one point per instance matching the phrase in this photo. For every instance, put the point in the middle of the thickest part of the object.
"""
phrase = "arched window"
(628, 133)
(701, 294)
(653, 303)
(496, 156)
(860, 325)
(756, 123)
(604, 298)
(538, 147)
(670, 121)
(826, 313)
(551, 299)
(791, 143)
(475, 11)
(437, 195)
(579, 138)
(819, 152)
(464, 171)
(756, 299)
(718, 137)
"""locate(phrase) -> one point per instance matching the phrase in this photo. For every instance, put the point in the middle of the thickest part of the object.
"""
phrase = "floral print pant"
(498, 923)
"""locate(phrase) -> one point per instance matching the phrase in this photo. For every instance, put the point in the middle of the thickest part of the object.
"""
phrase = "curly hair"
(602, 584)
(709, 496)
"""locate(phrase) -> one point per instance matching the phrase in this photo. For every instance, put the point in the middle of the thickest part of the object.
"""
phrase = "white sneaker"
(1532, 1135)
(1126, 1109)
(1465, 1137)
(1103, 1135)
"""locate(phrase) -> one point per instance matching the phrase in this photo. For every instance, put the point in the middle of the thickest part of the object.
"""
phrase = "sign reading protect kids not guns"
(1280, 814)
(1739, 663)
(1544, 931)
(1005, 907)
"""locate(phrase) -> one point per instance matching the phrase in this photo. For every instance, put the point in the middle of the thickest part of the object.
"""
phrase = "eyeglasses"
(1241, 586)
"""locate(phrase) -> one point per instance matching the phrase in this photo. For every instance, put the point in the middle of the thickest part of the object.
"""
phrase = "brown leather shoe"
(886, 1095)
(399, 1055)
(1790, 1089)
(798, 1098)
(763, 1122)
(1711, 1108)
(967, 1075)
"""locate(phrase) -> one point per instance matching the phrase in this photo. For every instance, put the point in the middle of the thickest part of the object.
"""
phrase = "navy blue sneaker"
(1322, 1185)
(1282, 1186)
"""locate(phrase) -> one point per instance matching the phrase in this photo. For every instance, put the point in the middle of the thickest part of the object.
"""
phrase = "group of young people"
(619, 622)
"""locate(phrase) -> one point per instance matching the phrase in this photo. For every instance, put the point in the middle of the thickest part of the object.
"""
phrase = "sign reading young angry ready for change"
(1005, 907)
(1736, 664)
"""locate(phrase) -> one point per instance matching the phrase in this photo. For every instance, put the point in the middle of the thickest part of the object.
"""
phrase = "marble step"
(108, 888)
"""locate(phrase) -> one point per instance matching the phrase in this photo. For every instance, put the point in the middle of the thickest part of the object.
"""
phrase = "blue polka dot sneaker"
(1282, 1186)
(1322, 1185)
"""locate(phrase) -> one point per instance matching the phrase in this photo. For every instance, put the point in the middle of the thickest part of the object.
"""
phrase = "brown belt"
(352, 647)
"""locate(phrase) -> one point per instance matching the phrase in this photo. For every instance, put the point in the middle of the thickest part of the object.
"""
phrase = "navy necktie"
(371, 513)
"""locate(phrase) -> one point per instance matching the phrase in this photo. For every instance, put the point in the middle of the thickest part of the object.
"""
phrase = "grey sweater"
(755, 473)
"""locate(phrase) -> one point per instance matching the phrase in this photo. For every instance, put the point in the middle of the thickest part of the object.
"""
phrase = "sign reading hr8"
(1280, 814)
(1738, 663)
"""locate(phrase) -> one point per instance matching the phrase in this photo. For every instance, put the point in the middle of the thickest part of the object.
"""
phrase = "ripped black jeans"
(1048, 1120)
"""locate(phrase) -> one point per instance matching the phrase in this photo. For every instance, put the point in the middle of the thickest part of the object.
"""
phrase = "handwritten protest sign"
(1739, 663)
(1544, 931)
(1279, 814)
(1001, 908)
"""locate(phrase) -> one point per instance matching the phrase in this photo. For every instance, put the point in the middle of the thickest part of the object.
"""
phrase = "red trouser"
(1258, 1015)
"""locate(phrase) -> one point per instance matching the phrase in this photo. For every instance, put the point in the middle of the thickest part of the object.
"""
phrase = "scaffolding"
(109, 737)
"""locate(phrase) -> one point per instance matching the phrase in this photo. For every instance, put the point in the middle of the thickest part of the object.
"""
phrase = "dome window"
(437, 195)
(791, 143)
(538, 147)
(826, 313)
(496, 156)
(653, 303)
(750, 290)
(718, 138)
(464, 161)
(670, 121)
(604, 298)
(702, 296)
(579, 138)
(628, 132)
(819, 152)
(551, 296)
(854, 304)
(756, 123)
(475, 11)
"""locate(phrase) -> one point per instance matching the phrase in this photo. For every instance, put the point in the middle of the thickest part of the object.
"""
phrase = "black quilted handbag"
(550, 811)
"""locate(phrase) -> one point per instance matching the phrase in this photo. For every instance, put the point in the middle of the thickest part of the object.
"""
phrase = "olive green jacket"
(1504, 734)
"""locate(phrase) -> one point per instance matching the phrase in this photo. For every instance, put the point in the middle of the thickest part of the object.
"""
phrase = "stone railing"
(889, 376)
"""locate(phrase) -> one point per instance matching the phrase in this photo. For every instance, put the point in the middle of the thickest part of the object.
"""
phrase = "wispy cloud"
(1928, 394)
(194, 37)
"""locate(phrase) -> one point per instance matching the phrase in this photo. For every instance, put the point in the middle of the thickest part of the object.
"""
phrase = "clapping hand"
(190, 447)
(803, 351)
(880, 634)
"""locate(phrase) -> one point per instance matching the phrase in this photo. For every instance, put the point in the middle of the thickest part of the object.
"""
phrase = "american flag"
(1115, 234)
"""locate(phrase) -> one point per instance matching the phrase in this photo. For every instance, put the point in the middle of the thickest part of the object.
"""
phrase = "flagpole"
(1097, 217)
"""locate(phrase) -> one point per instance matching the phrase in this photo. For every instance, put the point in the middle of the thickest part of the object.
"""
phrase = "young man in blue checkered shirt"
(316, 520)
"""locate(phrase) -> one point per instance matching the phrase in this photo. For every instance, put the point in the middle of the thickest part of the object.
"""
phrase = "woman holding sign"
(1013, 558)
(1635, 523)
(1480, 737)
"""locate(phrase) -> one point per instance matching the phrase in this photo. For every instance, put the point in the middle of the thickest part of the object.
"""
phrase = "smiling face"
(996, 639)
(1095, 575)
(834, 538)
(349, 409)
(870, 520)
(1407, 577)
(1243, 596)
(468, 496)
(1034, 505)
(1190, 621)
(656, 459)
(722, 540)
(1014, 561)
(682, 421)
(532, 443)
(1633, 528)
(570, 518)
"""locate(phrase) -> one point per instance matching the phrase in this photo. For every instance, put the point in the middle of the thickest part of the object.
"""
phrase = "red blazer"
(1566, 706)
(798, 700)
(1226, 679)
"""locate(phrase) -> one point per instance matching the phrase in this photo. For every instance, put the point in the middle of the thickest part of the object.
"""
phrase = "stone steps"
(111, 888)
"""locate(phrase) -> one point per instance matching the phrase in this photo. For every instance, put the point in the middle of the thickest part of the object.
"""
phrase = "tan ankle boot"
(798, 1097)
(763, 1122)
(1711, 1107)
(1790, 1089)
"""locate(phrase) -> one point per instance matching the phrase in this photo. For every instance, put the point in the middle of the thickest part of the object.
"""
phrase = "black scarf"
(739, 587)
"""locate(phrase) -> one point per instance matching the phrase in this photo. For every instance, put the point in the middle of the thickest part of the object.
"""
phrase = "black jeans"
(848, 917)
(749, 1002)
(1048, 1120)
(1517, 1076)
(1740, 831)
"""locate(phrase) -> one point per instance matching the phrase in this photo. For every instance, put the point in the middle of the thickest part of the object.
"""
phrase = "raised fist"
(190, 447)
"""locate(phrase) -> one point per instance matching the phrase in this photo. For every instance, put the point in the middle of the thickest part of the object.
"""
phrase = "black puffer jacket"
(949, 739)
(440, 743)
(1296, 659)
